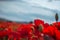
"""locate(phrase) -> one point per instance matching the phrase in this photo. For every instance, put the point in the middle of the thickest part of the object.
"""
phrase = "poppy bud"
(40, 28)
(56, 17)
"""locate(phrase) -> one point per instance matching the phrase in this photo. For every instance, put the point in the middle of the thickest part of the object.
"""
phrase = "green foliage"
(1, 29)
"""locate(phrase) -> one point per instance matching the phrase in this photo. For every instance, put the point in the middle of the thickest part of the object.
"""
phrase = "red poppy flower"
(46, 25)
(49, 30)
(38, 22)
(3, 33)
(25, 31)
(57, 34)
(57, 24)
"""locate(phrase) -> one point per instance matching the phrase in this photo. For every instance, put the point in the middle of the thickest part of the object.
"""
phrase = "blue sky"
(28, 10)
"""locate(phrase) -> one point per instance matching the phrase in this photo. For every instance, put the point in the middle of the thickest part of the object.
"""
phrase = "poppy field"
(36, 30)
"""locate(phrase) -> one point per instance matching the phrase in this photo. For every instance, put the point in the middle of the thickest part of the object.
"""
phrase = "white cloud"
(16, 7)
(50, 5)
